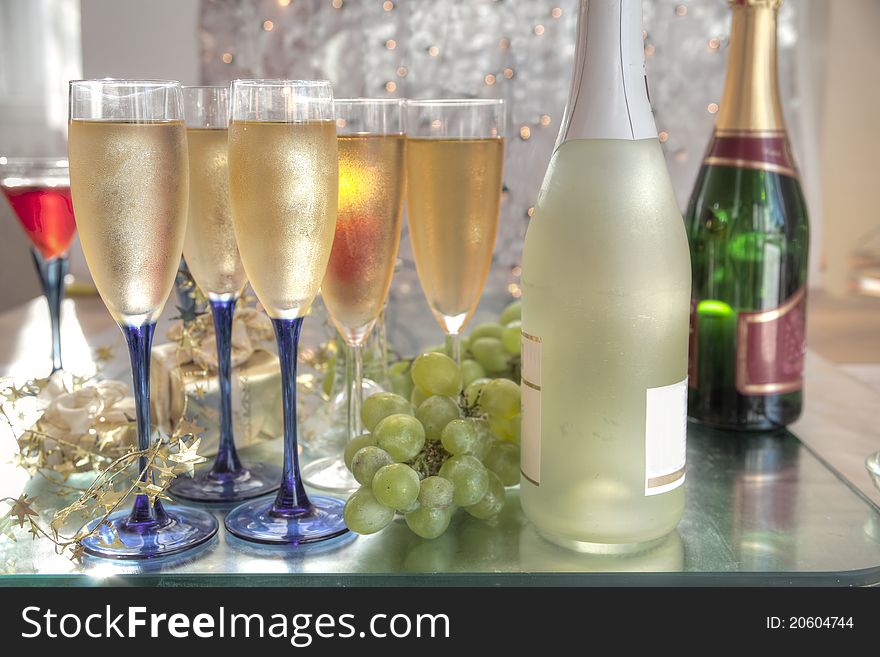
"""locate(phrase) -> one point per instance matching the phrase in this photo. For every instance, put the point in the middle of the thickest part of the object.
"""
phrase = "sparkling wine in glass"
(38, 189)
(283, 187)
(129, 182)
(372, 151)
(454, 161)
(211, 254)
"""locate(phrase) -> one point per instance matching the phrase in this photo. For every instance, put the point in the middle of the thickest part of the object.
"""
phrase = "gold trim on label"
(529, 336)
(656, 482)
(758, 133)
(750, 164)
(531, 385)
(528, 478)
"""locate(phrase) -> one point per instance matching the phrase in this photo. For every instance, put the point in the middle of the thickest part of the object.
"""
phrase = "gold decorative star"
(104, 353)
(76, 552)
(187, 427)
(187, 456)
(152, 491)
(21, 509)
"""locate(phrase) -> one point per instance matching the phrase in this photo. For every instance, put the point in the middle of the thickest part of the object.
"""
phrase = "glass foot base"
(254, 481)
(185, 529)
(329, 474)
(257, 521)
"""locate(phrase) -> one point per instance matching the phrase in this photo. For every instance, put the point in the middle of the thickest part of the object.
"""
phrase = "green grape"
(511, 338)
(379, 406)
(364, 514)
(399, 367)
(487, 330)
(512, 312)
(459, 437)
(401, 384)
(492, 502)
(474, 390)
(436, 374)
(503, 460)
(469, 478)
(501, 398)
(471, 370)
(355, 444)
(485, 440)
(429, 523)
(412, 507)
(401, 381)
(435, 492)
(367, 461)
(396, 486)
(489, 352)
(508, 428)
(402, 436)
(417, 397)
(435, 413)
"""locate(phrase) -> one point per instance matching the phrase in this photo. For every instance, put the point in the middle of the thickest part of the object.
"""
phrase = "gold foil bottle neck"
(750, 102)
(773, 4)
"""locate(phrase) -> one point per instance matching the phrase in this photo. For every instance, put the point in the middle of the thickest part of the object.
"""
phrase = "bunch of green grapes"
(489, 350)
(457, 448)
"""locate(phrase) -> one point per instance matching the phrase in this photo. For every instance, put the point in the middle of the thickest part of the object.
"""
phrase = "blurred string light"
(502, 48)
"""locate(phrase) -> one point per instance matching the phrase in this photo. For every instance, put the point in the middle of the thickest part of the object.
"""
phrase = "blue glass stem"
(227, 461)
(140, 339)
(292, 498)
(52, 273)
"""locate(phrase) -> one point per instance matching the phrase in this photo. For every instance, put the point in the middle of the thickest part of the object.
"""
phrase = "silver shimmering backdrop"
(519, 50)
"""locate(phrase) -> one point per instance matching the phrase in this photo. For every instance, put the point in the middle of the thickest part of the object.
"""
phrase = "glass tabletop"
(761, 509)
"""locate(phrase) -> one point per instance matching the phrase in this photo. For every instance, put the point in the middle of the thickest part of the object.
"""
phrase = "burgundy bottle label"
(770, 348)
(764, 150)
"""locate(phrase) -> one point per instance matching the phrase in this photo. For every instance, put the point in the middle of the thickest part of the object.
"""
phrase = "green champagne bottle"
(749, 240)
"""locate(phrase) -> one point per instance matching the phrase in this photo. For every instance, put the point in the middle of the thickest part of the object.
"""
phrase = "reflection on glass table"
(760, 509)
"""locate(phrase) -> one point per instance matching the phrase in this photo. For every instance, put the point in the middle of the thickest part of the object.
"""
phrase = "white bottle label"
(665, 437)
(530, 449)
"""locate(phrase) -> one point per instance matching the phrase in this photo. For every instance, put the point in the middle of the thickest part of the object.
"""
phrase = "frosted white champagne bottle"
(606, 292)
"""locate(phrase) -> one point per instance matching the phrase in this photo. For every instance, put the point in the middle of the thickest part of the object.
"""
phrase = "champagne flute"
(455, 152)
(212, 258)
(283, 188)
(372, 149)
(38, 189)
(129, 182)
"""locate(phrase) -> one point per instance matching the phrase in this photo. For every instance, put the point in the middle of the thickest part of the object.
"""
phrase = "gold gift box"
(190, 391)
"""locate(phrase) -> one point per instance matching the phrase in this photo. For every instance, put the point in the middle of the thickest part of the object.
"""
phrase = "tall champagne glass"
(214, 263)
(38, 189)
(129, 182)
(372, 150)
(455, 150)
(283, 187)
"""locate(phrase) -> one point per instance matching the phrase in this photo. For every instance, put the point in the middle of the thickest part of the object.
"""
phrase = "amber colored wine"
(209, 248)
(371, 186)
(129, 184)
(453, 203)
(283, 188)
